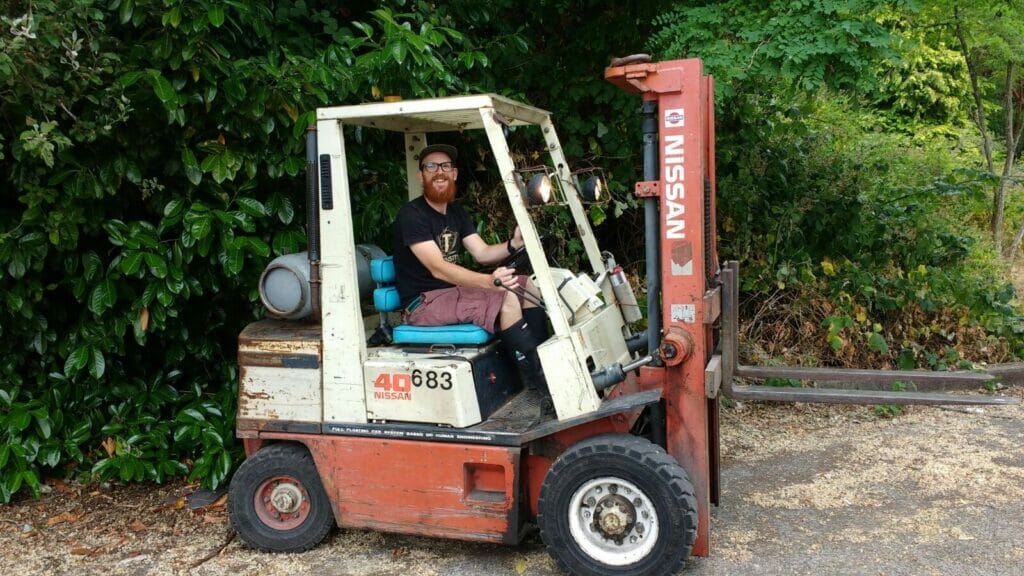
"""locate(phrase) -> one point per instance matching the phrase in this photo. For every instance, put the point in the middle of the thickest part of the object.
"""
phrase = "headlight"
(593, 189)
(538, 190)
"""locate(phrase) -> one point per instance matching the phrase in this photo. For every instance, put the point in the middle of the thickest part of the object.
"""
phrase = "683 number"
(432, 379)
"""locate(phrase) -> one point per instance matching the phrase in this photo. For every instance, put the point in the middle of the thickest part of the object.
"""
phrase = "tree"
(991, 41)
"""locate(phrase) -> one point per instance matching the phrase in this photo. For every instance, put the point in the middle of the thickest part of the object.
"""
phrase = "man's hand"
(517, 238)
(504, 277)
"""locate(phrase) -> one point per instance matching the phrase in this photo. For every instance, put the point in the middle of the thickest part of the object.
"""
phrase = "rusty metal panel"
(466, 492)
(279, 374)
(271, 393)
(281, 337)
(685, 237)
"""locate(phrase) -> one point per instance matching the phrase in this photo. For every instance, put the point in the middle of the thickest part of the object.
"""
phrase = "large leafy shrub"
(857, 243)
(151, 154)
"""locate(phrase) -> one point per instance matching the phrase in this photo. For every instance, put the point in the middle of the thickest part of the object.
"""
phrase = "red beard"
(439, 192)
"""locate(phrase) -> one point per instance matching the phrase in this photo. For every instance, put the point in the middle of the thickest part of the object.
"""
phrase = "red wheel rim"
(282, 502)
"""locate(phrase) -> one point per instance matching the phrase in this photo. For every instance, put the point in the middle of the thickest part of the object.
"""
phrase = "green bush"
(152, 160)
(868, 232)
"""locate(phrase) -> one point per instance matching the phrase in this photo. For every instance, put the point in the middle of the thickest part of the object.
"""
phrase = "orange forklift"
(351, 418)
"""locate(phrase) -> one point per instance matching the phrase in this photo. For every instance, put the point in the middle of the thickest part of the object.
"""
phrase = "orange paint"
(460, 491)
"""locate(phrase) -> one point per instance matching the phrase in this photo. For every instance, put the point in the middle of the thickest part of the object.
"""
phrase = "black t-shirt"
(417, 222)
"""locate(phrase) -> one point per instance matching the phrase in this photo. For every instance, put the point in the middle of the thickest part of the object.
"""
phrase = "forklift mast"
(682, 262)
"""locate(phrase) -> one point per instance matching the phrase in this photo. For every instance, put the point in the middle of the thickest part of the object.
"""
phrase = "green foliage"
(872, 223)
(783, 382)
(153, 163)
(864, 222)
(807, 44)
(927, 83)
(892, 410)
(552, 53)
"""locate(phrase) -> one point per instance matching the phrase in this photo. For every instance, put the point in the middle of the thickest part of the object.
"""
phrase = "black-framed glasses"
(433, 166)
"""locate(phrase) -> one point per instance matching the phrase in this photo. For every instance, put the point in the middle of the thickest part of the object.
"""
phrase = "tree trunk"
(1012, 138)
(979, 121)
(999, 200)
(1020, 122)
(979, 108)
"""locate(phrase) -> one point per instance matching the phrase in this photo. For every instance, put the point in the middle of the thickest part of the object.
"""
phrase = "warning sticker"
(684, 313)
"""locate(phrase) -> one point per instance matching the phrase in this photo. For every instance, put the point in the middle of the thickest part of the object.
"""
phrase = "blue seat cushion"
(382, 270)
(386, 299)
(452, 334)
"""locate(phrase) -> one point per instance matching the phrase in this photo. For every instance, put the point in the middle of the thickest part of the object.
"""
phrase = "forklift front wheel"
(617, 505)
(276, 501)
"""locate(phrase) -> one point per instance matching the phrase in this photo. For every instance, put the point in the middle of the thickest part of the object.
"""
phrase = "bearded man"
(429, 234)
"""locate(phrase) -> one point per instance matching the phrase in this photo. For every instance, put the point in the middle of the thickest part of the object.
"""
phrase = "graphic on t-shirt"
(447, 241)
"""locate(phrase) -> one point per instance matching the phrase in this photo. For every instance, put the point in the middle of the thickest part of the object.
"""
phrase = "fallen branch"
(217, 552)
(969, 411)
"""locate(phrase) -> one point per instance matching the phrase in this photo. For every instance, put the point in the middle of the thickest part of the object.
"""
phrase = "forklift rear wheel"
(617, 505)
(276, 501)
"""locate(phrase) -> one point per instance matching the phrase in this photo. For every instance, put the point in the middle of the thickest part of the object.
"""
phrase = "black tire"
(631, 477)
(299, 516)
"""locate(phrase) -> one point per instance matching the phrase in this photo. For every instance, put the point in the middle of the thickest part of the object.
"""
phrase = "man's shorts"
(459, 305)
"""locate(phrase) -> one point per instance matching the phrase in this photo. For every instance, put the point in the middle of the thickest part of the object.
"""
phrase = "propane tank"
(284, 285)
(624, 294)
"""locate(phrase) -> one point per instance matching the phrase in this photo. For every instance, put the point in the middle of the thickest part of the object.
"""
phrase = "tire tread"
(640, 451)
(294, 458)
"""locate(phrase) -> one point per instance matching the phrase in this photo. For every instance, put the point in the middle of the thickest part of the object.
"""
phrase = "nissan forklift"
(351, 418)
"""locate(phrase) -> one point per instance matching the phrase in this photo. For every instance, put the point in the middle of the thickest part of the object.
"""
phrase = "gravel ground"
(806, 490)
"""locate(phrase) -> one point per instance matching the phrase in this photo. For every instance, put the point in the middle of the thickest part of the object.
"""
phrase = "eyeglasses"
(433, 166)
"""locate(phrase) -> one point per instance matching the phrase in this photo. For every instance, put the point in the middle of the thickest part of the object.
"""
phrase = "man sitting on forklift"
(435, 290)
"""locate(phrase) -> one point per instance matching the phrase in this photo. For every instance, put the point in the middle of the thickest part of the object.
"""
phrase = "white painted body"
(430, 388)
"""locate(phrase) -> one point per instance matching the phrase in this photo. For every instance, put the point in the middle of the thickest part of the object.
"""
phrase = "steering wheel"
(519, 259)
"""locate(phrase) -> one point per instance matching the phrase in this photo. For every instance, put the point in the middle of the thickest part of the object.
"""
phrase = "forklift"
(350, 418)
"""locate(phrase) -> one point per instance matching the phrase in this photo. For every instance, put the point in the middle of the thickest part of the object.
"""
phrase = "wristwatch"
(511, 250)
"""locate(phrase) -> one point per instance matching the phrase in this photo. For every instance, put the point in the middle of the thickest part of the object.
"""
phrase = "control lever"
(611, 375)
(524, 293)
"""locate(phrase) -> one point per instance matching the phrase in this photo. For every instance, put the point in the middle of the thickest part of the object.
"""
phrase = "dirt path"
(806, 490)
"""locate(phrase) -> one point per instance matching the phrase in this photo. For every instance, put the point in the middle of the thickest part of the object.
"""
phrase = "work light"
(538, 190)
(593, 189)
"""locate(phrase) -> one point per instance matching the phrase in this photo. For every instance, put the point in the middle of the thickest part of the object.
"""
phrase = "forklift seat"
(385, 299)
